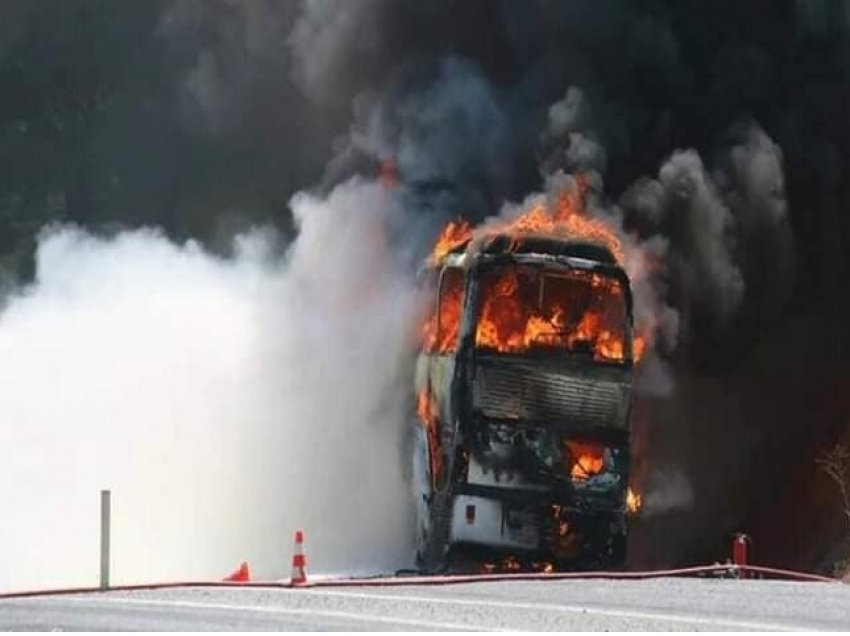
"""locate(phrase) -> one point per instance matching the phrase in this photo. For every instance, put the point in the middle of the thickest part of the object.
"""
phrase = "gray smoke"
(235, 46)
(667, 490)
(569, 141)
(690, 206)
(705, 231)
(726, 226)
(755, 183)
(331, 40)
(449, 137)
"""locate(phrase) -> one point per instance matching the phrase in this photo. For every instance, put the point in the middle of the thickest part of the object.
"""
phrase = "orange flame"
(565, 217)
(425, 410)
(423, 407)
(633, 501)
(454, 234)
(580, 310)
(544, 567)
(586, 459)
(511, 564)
(447, 322)
(639, 346)
(505, 324)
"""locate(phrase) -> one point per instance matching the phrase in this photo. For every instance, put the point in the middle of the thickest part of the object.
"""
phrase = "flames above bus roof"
(546, 225)
(523, 308)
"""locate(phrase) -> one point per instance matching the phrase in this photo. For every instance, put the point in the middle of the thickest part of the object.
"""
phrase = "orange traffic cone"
(242, 574)
(299, 561)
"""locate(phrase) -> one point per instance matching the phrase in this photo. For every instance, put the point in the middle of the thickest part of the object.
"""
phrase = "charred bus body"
(524, 394)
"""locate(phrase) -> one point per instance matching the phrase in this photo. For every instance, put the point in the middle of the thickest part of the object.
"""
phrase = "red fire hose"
(725, 571)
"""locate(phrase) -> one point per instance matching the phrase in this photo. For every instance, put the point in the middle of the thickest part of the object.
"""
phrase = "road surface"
(661, 604)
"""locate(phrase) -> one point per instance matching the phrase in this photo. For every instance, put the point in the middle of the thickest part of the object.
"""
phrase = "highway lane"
(576, 605)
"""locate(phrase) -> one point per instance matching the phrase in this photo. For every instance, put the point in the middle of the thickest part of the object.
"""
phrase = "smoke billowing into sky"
(225, 402)
(713, 134)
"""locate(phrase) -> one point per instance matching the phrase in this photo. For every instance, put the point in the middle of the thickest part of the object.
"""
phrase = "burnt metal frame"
(465, 351)
(465, 354)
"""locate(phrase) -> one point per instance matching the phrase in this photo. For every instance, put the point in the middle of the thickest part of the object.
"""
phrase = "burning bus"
(523, 388)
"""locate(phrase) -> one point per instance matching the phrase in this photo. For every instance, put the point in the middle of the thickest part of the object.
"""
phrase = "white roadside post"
(105, 513)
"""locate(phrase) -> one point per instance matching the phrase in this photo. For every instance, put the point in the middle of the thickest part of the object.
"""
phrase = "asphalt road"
(662, 604)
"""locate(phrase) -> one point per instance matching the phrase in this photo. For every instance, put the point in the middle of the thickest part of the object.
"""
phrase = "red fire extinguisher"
(741, 546)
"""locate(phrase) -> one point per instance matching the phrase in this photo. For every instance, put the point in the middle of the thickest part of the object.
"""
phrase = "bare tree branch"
(835, 462)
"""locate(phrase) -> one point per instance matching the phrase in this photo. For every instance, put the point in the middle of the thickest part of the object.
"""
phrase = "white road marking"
(310, 612)
(571, 609)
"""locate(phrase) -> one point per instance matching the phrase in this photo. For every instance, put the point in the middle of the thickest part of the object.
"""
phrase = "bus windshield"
(524, 308)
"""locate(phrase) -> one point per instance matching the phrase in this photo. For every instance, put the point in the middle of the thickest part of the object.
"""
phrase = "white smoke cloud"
(226, 402)
(668, 489)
